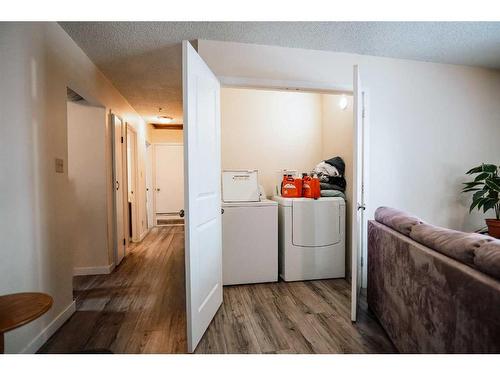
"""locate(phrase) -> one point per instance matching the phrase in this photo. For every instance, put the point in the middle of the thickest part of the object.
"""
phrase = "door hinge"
(124, 243)
(362, 261)
(122, 139)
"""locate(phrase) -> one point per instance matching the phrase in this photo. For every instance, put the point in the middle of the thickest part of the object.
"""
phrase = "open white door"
(203, 232)
(358, 206)
(118, 185)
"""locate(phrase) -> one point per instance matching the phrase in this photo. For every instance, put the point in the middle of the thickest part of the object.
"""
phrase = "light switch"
(59, 165)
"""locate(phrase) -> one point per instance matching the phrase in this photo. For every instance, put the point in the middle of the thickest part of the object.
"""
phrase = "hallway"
(139, 308)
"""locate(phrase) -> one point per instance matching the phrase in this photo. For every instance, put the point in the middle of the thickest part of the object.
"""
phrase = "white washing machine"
(311, 238)
(250, 242)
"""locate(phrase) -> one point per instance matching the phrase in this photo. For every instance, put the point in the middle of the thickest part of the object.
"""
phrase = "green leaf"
(491, 168)
(479, 194)
(482, 176)
(489, 204)
(492, 185)
(466, 190)
(475, 170)
(481, 201)
(473, 183)
(493, 194)
(475, 203)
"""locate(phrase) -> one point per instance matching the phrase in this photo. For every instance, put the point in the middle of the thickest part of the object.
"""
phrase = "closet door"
(169, 177)
(119, 186)
(358, 207)
(203, 224)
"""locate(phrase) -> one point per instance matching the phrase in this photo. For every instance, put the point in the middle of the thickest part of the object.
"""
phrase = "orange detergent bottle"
(315, 187)
(310, 186)
(306, 186)
(291, 187)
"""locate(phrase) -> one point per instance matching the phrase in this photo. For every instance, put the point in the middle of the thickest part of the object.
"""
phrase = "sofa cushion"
(487, 258)
(476, 250)
(396, 219)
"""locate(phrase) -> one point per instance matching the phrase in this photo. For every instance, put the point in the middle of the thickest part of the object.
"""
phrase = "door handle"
(117, 185)
(360, 207)
(222, 211)
(157, 189)
(181, 213)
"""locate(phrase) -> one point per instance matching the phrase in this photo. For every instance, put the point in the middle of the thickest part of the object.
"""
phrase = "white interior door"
(132, 194)
(119, 186)
(169, 178)
(358, 206)
(201, 93)
(149, 185)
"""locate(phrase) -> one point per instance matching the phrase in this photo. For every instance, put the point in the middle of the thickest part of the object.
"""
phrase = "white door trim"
(273, 84)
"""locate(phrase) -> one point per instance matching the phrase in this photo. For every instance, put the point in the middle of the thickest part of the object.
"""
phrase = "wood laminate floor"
(140, 308)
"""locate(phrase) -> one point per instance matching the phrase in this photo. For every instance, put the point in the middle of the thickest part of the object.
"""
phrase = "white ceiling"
(143, 59)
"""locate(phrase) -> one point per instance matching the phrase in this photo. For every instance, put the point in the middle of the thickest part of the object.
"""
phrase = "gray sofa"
(434, 290)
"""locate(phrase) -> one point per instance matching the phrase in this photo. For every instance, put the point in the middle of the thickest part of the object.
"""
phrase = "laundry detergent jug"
(315, 187)
(310, 187)
(291, 187)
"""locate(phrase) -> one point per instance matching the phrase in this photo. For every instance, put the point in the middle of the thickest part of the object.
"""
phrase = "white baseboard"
(141, 237)
(48, 331)
(101, 270)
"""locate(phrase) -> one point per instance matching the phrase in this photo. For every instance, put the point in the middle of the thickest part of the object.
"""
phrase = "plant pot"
(493, 227)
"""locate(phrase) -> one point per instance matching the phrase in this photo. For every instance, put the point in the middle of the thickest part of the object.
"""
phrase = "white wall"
(429, 123)
(87, 181)
(338, 140)
(38, 62)
(270, 131)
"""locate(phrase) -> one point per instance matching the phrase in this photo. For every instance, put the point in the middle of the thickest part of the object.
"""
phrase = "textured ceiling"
(143, 59)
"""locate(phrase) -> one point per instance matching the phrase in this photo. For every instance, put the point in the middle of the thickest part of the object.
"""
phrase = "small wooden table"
(19, 309)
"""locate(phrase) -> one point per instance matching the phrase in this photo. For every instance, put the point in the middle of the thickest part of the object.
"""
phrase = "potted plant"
(486, 188)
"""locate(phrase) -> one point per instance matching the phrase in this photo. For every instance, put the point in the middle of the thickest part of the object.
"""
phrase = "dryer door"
(316, 222)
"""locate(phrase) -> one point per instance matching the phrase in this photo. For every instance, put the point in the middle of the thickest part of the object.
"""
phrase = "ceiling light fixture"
(165, 119)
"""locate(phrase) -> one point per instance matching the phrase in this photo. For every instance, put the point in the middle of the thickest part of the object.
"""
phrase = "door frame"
(134, 214)
(321, 88)
(113, 115)
(181, 144)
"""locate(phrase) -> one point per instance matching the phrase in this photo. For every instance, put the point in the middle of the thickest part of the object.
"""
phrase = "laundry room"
(268, 135)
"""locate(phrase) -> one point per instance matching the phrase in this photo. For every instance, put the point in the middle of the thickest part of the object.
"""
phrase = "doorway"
(87, 178)
(169, 183)
(202, 90)
(272, 130)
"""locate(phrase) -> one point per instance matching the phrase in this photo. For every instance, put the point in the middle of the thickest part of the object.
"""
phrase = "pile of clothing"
(331, 176)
